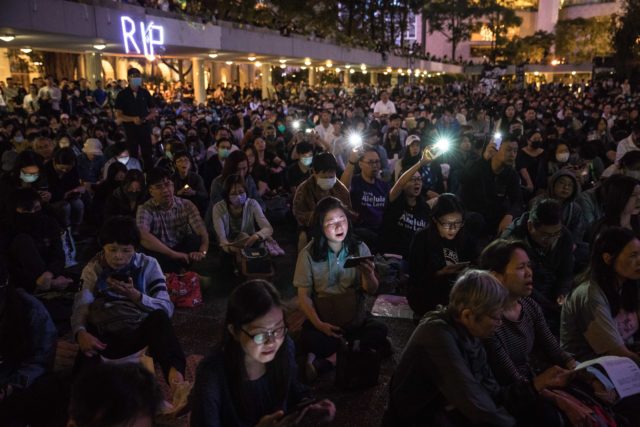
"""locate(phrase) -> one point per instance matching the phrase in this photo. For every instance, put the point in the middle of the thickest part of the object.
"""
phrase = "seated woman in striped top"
(523, 332)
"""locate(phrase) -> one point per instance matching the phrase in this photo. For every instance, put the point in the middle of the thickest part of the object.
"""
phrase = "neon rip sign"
(151, 35)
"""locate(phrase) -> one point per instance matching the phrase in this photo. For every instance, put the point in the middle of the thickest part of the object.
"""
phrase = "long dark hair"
(248, 302)
(616, 199)
(612, 241)
(320, 245)
(231, 164)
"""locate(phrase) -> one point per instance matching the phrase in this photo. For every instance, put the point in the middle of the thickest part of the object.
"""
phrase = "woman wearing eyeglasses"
(252, 379)
(406, 211)
(330, 294)
(438, 254)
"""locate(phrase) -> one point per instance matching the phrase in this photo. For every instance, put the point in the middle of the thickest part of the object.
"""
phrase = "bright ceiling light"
(258, 64)
(329, 63)
(251, 58)
(321, 69)
(283, 66)
(213, 55)
(337, 69)
(363, 67)
(347, 66)
(351, 71)
(307, 61)
(7, 38)
(303, 68)
(228, 62)
(389, 69)
(282, 61)
(26, 50)
(99, 46)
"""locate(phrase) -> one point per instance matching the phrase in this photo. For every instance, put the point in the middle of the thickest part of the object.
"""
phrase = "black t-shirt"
(295, 176)
(137, 105)
(401, 222)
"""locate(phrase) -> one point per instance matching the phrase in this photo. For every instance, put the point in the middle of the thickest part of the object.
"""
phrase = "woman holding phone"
(438, 254)
(123, 306)
(251, 380)
(331, 294)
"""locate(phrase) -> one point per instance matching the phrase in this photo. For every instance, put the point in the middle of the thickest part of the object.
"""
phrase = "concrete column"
(5, 65)
(243, 74)
(121, 68)
(266, 81)
(312, 76)
(347, 76)
(199, 85)
(92, 67)
(394, 79)
(373, 78)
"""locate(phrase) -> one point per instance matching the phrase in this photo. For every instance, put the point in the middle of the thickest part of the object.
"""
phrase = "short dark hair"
(157, 175)
(120, 229)
(325, 162)
(133, 72)
(546, 212)
(496, 256)
(221, 140)
(126, 391)
(304, 147)
(26, 198)
(65, 156)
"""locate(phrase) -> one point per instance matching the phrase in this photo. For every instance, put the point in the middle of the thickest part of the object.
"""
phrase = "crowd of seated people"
(518, 241)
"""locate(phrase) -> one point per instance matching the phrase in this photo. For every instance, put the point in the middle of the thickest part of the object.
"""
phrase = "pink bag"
(184, 289)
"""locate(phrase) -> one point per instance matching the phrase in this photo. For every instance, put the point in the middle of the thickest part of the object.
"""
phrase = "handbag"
(345, 310)
(255, 261)
(356, 367)
(184, 289)
(110, 316)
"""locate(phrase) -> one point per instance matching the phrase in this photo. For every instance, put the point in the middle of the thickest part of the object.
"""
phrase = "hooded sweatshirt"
(572, 217)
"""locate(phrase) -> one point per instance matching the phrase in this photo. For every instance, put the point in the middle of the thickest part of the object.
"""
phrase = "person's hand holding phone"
(367, 268)
(124, 287)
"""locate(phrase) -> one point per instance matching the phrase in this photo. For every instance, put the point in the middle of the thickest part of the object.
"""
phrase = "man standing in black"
(135, 109)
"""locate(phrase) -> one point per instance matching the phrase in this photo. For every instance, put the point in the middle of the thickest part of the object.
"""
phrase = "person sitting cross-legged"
(171, 227)
(123, 306)
(443, 377)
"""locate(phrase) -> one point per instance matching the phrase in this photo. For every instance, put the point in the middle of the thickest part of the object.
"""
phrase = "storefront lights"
(99, 46)
(7, 38)
(213, 55)
(26, 50)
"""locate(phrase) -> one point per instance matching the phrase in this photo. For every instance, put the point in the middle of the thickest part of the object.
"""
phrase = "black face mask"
(536, 144)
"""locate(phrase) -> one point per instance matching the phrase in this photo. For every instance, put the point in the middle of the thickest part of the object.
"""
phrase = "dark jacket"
(118, 203)
(493, 196)
(572, 217)
(213, 405)
(552, 269)
(427, 290)
(444, 365)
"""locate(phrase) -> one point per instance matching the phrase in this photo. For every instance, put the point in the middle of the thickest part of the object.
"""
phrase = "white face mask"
(123, 160)
(562, 157)
(326, 184)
